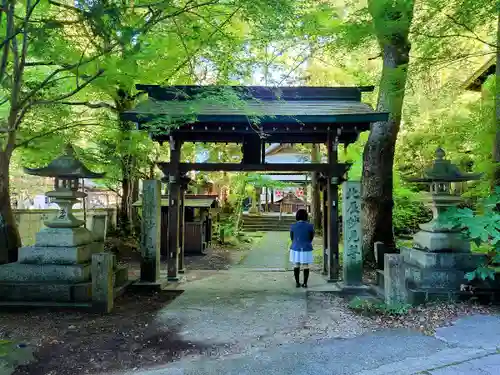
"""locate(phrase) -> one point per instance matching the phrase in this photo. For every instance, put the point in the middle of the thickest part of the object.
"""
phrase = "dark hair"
(301, 215)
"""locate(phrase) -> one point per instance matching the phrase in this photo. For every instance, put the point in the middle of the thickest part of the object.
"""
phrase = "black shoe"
(306, 277)
(296, 273)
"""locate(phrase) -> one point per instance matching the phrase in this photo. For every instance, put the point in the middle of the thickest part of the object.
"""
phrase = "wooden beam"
(338, 169)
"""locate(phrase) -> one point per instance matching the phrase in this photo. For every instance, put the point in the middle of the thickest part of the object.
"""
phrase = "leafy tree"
(30, 30)
(392, 22)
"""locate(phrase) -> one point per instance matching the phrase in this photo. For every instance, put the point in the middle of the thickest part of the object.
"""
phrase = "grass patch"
(369, 308)
(403, 243)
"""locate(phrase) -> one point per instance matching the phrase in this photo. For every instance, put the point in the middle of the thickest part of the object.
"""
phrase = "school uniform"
(301, 234)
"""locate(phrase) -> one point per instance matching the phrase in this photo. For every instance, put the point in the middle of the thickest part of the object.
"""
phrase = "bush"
(408, 211)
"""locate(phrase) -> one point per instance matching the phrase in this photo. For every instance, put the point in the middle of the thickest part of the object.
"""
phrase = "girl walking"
(301, 234)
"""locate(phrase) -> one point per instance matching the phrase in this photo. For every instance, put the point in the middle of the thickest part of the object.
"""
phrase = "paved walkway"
(270, 253)
(472, 349)
(261, 324)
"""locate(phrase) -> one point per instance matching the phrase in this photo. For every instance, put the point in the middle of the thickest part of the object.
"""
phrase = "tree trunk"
(10, 240)
(126, 220)
(378, 155)
(315, 199)
(496, 146)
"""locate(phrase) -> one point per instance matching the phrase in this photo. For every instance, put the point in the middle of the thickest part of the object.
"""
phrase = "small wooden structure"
(198, 222)
(285, 115)
(289, 204)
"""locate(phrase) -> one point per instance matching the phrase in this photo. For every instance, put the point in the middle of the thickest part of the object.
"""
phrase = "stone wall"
(30, 222)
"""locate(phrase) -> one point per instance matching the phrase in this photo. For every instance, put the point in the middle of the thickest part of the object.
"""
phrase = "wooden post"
(181, 232)
(333, 200)
(174, 188)
(325, 231)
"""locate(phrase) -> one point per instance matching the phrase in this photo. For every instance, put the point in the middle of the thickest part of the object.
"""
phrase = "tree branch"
(193, 74)
(53, 131)
(97, 105)
(72, 92)
(202, 45)
(469, 29)
(9, 30)
(473, 37)
(68, 7)
(64, 69)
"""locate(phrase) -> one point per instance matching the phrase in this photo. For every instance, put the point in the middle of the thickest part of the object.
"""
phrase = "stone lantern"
(57, 268)
(434, 236)
(435, 266)
(67, 172)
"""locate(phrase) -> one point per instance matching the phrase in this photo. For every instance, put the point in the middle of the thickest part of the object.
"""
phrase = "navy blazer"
(302, 234)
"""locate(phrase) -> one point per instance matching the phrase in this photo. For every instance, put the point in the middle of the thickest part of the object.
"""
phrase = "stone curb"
(414, 365)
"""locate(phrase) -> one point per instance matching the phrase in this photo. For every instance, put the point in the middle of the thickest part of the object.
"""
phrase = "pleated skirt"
(302, 257)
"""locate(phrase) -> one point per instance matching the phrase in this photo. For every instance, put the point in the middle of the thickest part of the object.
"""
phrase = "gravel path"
(269, 253)
(256, 305)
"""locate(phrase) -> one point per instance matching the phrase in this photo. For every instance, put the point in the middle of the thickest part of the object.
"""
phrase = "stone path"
(270, 253)
(388, 352)
(259, 323)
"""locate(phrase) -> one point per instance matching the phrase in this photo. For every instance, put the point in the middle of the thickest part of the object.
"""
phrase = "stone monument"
(435, 266)
(57, 269)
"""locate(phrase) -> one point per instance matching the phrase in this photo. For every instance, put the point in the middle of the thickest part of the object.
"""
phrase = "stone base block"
(97, 247)
(421, 296)
(457, 261)
(63, 237)
(18, 272)
(37, 292)
(395, 292)
(433, 278)
(441, 241)
(55, 255)
(121, 275)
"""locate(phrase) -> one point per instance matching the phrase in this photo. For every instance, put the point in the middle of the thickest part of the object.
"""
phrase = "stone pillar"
(353, 252)
(102, 282)
(150, 231)
(394, 280)
(99, 229)
(255, 207)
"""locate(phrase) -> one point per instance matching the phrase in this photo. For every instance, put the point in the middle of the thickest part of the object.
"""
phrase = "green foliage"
(369, 307)
(482, 228)
(263, 181)
(408, 210)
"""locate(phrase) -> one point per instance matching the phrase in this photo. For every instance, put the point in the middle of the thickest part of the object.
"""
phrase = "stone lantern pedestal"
(434, 267)
(62, 267)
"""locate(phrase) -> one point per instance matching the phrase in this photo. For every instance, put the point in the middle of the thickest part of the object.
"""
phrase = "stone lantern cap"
(444, 171)
(65, 166)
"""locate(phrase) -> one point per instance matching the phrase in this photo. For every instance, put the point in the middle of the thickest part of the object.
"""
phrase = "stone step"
(53, 292)
(378, 291)
(121, 275)
(55, 255)
(265, 229)
(18, 272)
(381, 279)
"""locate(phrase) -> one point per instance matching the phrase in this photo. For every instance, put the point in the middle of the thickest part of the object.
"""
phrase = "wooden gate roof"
(282, 114)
